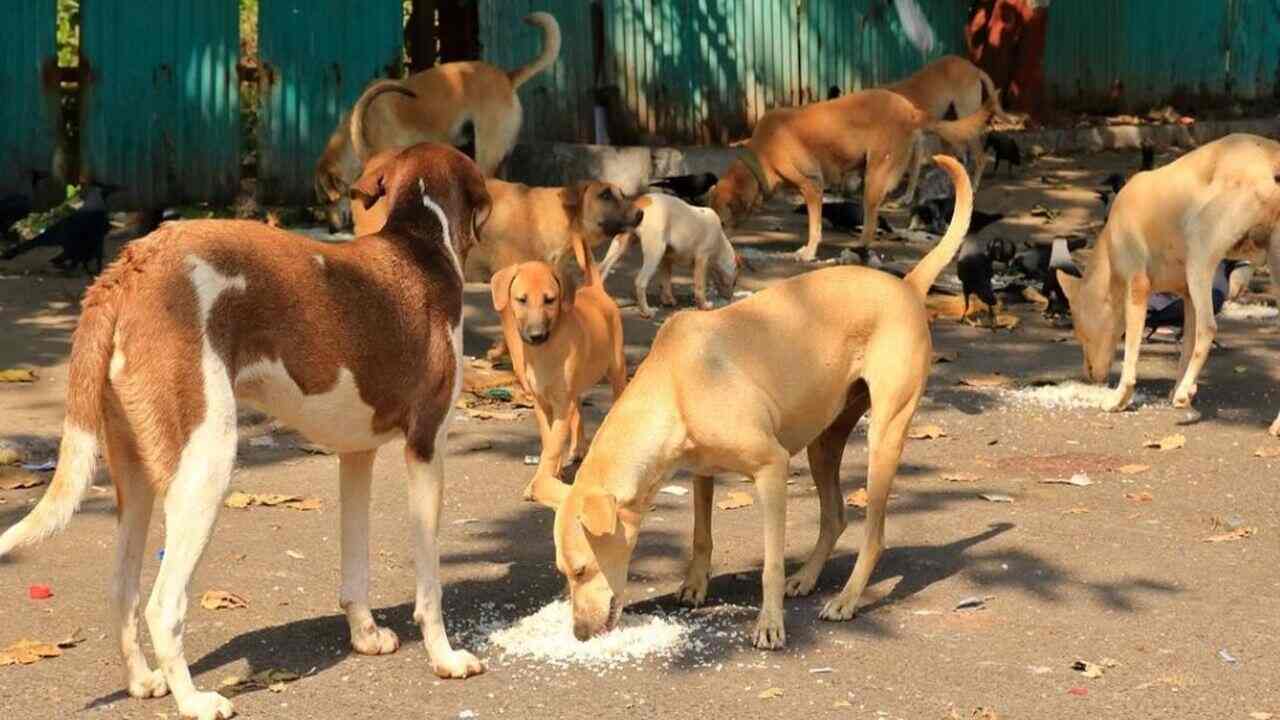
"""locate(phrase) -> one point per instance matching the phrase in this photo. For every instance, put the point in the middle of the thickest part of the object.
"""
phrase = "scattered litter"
(996, 498)
(1231, 522)
(160, 554)
(1039, 669)
(1078, 691)
(9, 456)
(1240, 369)
(263, 441)
(1259, 715)
(272, 679)
(770, 694)
(736, 499)
(1049, 214)
(25, 652)
(73, 639)
(960, 477)
(17, 375)
(1142, 496)
(471, 444)
(1079, 480)
(821, 670)
(222, 600)
(1227, 657)
(946, 357)
(1268, 452)
(21, 482)
(314, 449)
(39, 592)
(857, 498)
(926, 432)
(1069, 395)
(1244, 311)
(45, 466)
(467, 715)
(531, 459)
(240, 501)
(1133, 469)
(295, 554)
(989, 380)
(465, 521)
(547, 637)
(973, 602)
(1238, 534)
(500, 394)
(1076, 511)
(1170, 442)
(674, 490)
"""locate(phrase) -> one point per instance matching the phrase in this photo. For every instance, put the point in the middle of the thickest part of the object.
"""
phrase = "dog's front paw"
(770, 633)
(805, 255)
(801, 584)
(374, 640)
(668, 301)
(647, 313)
(694, 590)
(1118, 400)
(456, 665)
(1275, 427)
(150, 684)
(206, 706)
(839, 609)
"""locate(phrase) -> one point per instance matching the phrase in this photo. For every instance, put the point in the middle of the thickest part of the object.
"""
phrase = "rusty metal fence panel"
(316, 56)
(29, 88)
(160, 100)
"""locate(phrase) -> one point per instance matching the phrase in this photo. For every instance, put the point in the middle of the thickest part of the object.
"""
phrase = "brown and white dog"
(712, 398)
(948, 82)
(1168, 230)
(671, 232)
(816, 145)
(443, 102)
(563, 339)
(354, 345)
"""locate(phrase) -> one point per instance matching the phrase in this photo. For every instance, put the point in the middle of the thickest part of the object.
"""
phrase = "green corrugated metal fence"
(160, 104)
(28, 85)
(316, 57)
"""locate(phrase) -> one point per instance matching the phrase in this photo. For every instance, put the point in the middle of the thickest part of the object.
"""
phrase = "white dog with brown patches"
(354, 345)
(671, 232)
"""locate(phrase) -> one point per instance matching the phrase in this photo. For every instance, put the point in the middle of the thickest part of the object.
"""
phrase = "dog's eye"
(578, 571)
(606, 194)
(549, 299)
(521, 299)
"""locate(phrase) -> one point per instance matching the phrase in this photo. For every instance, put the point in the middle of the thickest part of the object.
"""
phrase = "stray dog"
(808, 147)
(355, 345)
(974, 266)
(1005, 149)
(675, 232)
(1168, 231)
(740, 390)
(81, 235)
(845, 215)
(949, 84)
(562, 340)
(455, 103)
(689, 188)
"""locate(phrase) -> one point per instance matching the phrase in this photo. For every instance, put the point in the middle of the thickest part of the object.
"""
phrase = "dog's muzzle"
(535, 337)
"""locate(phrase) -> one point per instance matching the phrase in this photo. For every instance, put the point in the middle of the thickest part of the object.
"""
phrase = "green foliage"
(68, 37)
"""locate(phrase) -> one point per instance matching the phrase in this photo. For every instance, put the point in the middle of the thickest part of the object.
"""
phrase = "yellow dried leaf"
(1141, 497)
(222, 600)
(9, 456)
(771, 693)
(1237, 534)
(1133, 469)
(736, 499)
(17, 480)
(17, 375)
(1268, 452)
(1075, 511)
(1170, 442)
(990, 380)
(25, 652)
(927, 432)
(305, 504)
(238, 500)
(857, 498)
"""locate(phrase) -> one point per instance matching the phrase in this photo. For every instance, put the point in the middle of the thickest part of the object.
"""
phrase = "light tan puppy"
(354, 345)
(445, 100)
(948, 82)
(1168, 230)
(711, 398)
(674, 231)
(562, 341)
(811, 147)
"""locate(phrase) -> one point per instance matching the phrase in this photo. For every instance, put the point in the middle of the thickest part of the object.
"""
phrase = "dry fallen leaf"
(1239, 533)
(1133, 469)
(857, 498)
(1075, 511)
(1090, 670)
(927, 432)
(19, 480)
(295, 554)
(771, 693)
(17, 375)
(222, 600)
(1141, 497)
(272, 679)
(996, 498)
(1171, 442)
(242, 500)
(1268, 452)
(736, 499)
(946, 357)
(75, 638)
(992, 380)
(9, 456)
(960, 477)
(25, 652)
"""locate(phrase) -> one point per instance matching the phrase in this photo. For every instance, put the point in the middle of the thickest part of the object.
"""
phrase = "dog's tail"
(359, 143)
(586, 261)
(989, 88)
(550, 49)
(927, 270)
(91, 349)
(959, 132)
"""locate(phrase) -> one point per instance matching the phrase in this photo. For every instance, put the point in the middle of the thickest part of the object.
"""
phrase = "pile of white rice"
(1242, 311)
(1069, 395)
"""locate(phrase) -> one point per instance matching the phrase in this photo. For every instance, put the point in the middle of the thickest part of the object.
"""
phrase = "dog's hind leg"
(698, 572)
(647, 270)
(1135, 316)
(917, 160)
(1200, 296)
(621, 243)
(191, 507)
(355, 474)
(893, 409)
(135, 501)
(426, 495)
(700, 282)
(825, 454)
(667, 295)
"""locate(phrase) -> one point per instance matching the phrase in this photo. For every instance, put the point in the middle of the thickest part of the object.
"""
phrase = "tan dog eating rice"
(711, 398)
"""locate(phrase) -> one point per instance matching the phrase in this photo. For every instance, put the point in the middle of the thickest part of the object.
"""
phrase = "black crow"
(1039, 262)
(687, 187)
(845, 215)
(1168, 310)
(80, 234)
(935, 216)
(1005, 148)
(1112, 183)
(833, 92)
(974, 266)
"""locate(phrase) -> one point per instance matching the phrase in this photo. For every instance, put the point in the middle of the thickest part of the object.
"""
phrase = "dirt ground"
(1117, 570)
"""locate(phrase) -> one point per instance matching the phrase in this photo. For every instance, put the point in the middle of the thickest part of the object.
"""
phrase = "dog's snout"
(582, 631)
(536, 335)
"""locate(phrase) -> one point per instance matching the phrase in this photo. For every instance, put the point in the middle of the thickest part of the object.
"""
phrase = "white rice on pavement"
(1069, 395)
(1242, 311)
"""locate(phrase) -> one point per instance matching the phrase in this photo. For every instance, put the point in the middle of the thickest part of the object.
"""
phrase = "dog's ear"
(568, 288)
(548, 491)
(573, 197)
(599, 513)
(369, 188)
(500, 286)
(1070, 287)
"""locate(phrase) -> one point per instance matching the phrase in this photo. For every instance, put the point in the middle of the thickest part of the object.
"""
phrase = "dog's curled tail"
(91, 349)
(930, 267)
(550, 49)
(359, 142)
(959, 132)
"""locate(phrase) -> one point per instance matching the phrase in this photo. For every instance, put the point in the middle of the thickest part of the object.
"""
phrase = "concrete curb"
(633, 167)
